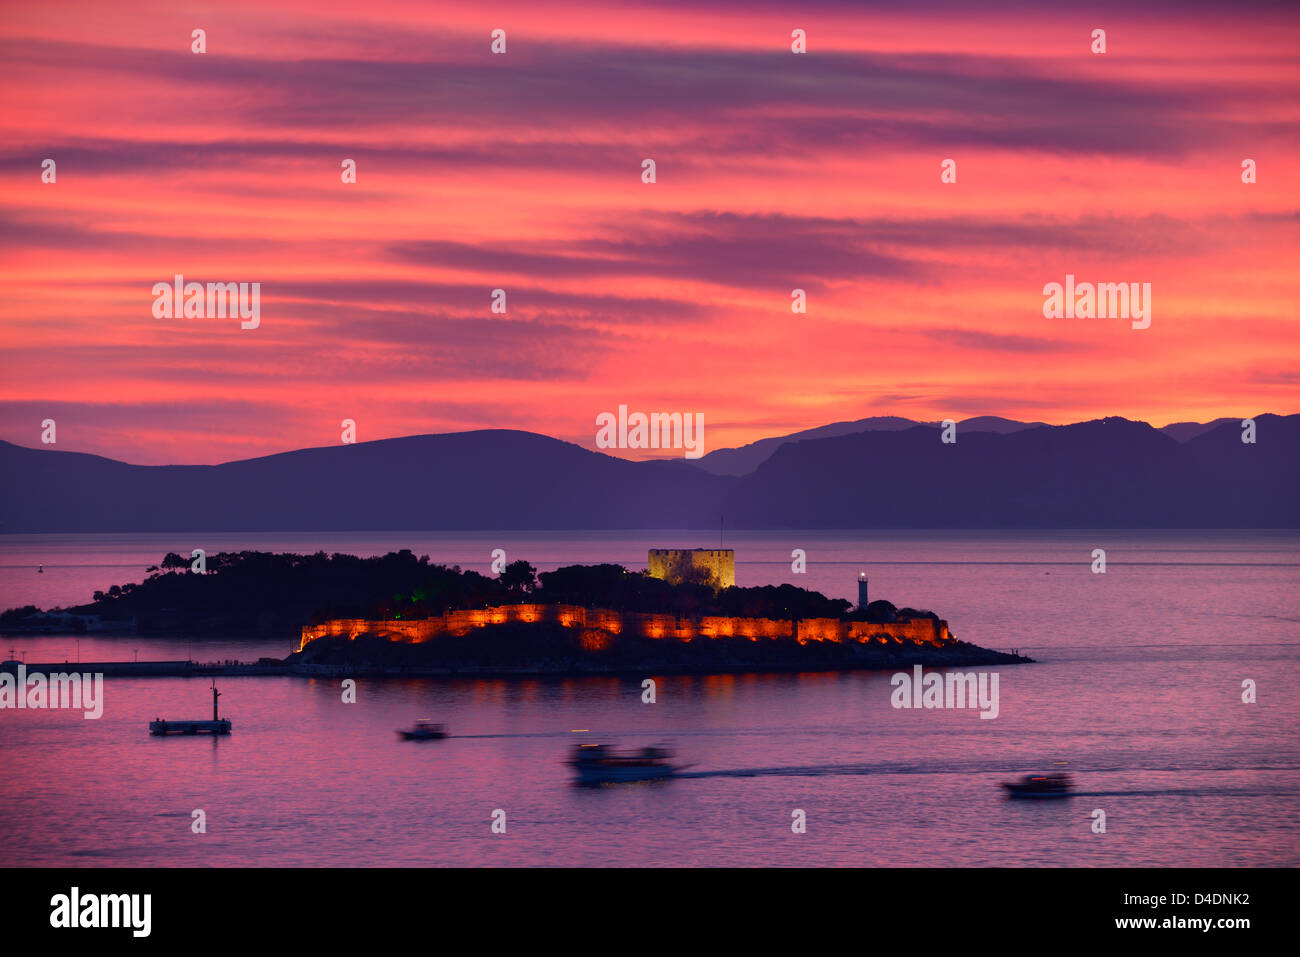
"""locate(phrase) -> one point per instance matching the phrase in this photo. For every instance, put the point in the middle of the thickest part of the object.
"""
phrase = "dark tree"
(881, 612)
(519, 576)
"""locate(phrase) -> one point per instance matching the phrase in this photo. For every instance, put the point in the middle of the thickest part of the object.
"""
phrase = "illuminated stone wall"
(596, 622)
(719, 564)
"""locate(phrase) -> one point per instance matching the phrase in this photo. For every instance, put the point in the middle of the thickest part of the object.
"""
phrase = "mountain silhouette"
(747, 458)
(1108, 473)
(1182, 431)
(467, 480)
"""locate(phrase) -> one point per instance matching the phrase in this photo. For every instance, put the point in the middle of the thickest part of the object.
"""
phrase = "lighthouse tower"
(862, 591)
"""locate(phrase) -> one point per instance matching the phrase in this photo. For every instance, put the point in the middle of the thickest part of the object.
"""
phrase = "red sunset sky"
(522, 171)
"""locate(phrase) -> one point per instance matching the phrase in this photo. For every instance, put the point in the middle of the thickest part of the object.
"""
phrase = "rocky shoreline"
(537, 650)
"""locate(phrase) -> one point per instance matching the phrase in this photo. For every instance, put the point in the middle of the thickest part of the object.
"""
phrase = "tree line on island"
(270, 594)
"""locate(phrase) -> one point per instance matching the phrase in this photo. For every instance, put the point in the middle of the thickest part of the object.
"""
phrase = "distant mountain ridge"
(745, 459)
(1183, 431)
(1108, 473)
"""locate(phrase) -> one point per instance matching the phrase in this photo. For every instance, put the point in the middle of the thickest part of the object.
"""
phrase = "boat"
(601, 764)
(1056, 784)
(423, 730)
(218, 724)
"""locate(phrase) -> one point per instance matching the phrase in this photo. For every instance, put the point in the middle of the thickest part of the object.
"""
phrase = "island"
(397, 614)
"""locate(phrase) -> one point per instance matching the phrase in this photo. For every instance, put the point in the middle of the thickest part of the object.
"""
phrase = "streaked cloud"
(522, 172)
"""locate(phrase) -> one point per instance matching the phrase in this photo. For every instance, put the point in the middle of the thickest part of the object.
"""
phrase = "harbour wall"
(598, 622)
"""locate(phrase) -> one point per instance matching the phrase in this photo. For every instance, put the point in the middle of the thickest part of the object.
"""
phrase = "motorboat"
(423, 730)
(1056, 784)
(601, 764)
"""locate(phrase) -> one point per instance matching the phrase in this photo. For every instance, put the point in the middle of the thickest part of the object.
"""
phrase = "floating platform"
(220, 726)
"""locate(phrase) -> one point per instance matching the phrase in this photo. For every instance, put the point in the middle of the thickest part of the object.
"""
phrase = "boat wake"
(827, 770)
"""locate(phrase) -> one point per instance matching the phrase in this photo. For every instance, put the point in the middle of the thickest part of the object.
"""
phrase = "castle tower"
(862, 591)
(716, 566)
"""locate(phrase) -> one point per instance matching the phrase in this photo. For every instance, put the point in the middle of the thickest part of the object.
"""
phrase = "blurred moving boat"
(601, 764)
(423, 730)
(1054, 785)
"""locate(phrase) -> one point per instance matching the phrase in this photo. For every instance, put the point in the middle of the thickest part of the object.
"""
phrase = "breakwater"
(153, 669)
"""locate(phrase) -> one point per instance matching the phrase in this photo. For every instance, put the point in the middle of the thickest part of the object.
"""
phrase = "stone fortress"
(599, 626)
(711, 566)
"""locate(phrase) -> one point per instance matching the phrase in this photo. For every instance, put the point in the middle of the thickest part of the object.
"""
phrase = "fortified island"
(683, 614)
(576, 638)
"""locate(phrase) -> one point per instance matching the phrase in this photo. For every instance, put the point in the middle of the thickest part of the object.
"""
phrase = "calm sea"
(1138, 687)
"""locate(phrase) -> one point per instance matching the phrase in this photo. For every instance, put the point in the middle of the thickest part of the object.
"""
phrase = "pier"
(155, 669)
(217, 725)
